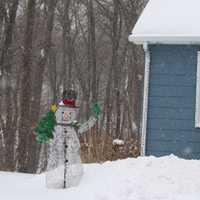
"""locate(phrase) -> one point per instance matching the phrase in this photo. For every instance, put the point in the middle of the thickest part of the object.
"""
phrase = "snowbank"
(118, 142)
(148, 178)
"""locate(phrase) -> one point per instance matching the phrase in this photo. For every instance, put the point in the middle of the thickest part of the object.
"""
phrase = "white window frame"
(197, 109)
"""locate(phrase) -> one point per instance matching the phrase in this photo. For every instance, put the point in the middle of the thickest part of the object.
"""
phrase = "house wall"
(171, 104)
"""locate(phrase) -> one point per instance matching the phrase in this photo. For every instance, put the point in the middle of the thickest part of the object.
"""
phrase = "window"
(197, 112)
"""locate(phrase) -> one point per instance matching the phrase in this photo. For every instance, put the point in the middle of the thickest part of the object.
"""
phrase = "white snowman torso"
(64, 163)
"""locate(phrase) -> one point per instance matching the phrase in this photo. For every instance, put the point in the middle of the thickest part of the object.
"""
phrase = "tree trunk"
(33, 148)
(116, 29)
(92, 49)
(6, 65)
(25, 97)
(67, 47)
(4, 59)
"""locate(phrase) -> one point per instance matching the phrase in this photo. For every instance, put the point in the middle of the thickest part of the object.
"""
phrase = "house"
(170, 34)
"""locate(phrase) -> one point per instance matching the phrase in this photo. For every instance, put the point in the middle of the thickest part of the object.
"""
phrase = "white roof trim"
(164, 39)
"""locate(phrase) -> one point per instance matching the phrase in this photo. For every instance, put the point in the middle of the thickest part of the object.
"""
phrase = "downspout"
(145, 99)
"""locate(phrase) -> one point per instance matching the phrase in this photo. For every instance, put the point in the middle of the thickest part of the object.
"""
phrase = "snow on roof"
(168, 21)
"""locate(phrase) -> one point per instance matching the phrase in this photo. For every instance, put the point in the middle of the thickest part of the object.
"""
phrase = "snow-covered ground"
(147, 178)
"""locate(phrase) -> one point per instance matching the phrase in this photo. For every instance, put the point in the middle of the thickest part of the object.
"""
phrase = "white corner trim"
(197, 109)
(145, 99)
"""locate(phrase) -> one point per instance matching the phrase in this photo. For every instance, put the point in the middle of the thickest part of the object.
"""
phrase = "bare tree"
(5, 68)
(92, 49)
(25, 97)
(32, 148)
(64, 43)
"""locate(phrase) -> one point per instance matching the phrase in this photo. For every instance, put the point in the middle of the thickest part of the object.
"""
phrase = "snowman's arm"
(96, 110)
(87, 125)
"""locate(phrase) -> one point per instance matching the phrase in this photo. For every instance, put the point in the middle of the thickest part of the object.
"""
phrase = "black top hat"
(69, 94)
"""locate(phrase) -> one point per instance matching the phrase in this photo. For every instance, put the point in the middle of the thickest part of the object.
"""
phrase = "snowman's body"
(64, 162)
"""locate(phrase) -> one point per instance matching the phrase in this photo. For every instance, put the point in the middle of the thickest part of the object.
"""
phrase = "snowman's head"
(66, 115)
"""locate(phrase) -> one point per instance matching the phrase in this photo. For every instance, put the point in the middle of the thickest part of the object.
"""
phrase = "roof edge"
(164, 39)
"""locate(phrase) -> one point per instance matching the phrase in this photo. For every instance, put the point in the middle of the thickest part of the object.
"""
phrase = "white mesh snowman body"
(64, 168)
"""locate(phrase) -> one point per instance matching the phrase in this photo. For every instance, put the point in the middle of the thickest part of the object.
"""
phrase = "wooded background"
(50, 45)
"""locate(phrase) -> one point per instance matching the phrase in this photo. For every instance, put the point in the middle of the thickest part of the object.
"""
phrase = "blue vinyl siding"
(171, 104)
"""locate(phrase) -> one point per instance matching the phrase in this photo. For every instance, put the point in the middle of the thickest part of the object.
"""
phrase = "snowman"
(64, 168)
